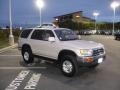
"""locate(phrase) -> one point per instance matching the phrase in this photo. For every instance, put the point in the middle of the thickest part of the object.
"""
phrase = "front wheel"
(69, 66)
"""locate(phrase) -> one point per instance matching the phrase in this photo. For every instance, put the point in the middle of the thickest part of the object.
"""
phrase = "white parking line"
(1, 52)
(23, 68)
(10, 55)
(7, 48)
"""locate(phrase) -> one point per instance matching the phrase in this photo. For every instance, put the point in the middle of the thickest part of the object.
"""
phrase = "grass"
(5, 42)
(4, 37)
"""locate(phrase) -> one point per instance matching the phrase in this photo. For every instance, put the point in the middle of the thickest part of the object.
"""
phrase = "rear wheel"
(69, 66)
(27, 55)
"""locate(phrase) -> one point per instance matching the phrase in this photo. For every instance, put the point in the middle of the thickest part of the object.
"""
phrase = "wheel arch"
(66, 52)
(25, 46)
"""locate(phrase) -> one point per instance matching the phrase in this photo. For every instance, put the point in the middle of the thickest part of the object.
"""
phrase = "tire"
(93, 66)
(69, 66)
(27, 55)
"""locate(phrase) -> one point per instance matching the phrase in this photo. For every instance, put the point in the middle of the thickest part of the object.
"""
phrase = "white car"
(48, 25)
(61, 45)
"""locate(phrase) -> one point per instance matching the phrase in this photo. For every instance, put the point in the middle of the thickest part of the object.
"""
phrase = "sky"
(26, 11)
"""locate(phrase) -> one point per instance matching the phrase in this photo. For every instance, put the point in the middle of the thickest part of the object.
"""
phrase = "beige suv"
(61, 45)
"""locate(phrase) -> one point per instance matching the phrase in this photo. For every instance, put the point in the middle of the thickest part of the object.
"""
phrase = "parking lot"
(41, 75)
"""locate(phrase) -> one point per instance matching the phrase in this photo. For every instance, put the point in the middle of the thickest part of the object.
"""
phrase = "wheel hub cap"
(67, 66)
(26, 56)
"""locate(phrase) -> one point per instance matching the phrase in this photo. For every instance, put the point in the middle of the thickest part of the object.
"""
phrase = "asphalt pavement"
(41, 75)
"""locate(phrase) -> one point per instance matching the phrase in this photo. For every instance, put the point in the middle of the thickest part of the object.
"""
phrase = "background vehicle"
(47, 25)
(117, 36)
(61, 45)
(104, 32)
(85, 32)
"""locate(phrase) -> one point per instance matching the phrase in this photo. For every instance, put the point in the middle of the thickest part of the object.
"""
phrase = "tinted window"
(48, 34)
(38, 35)
(42, 34)
(65, 35)
(25, 33)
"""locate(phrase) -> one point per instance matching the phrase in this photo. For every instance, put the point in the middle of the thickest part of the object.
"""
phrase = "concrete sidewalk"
(6, 48)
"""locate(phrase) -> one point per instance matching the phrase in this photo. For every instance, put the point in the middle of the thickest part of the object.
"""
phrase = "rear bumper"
(93, 60)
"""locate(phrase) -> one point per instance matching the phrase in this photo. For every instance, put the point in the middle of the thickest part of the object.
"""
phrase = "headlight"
(86, 52)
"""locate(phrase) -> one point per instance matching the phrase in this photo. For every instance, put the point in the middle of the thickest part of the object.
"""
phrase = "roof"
(68, 14)
(51, 28)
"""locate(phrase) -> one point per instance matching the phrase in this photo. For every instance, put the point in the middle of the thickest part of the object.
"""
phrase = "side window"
(25, 33)
(38, 35)
(48, 34)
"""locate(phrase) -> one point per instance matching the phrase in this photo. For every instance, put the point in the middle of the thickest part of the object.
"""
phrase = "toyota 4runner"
(61, 45)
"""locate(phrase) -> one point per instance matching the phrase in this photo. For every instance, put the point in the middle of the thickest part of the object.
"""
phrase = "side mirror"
(79, 37)
(51, 39)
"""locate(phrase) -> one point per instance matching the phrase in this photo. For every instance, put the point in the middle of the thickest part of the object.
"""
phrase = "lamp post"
(11, 37)
(40, 5)
(114, 5)
(95, 14)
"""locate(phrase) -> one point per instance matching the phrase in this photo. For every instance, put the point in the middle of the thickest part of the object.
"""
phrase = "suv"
(61, 45)
(49, 25)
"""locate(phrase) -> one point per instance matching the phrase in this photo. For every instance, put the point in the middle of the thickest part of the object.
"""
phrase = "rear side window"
(25, 33)
(49, 33)
(42, 35)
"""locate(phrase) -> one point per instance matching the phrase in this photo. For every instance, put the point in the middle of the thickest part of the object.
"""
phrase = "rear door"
(40, 44)
(50, 48)
(37, 42)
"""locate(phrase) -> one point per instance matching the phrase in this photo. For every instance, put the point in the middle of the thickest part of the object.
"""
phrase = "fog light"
(88, 59)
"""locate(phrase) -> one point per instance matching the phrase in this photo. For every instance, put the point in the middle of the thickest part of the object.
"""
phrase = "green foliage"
(88, 25)
(75, 25)
(5, 33)
(4, 37)
(117, 25)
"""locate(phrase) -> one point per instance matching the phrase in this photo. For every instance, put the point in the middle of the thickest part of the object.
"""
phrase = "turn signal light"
(88, 59)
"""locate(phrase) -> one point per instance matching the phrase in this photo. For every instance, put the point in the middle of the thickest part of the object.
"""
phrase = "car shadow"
(85, 76)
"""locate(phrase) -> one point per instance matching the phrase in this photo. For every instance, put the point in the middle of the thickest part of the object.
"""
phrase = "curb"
(6, 48)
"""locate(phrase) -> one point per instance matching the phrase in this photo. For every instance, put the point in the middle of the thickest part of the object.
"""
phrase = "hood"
(82, 44)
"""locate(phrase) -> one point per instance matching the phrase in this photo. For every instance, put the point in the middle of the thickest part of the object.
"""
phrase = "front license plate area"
(100, 60)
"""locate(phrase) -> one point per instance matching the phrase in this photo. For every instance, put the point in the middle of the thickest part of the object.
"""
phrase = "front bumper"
(92, 60)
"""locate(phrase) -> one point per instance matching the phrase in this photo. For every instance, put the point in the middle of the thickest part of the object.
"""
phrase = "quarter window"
(25, 33)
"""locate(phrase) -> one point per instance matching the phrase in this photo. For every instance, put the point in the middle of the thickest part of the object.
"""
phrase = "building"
(74, 16)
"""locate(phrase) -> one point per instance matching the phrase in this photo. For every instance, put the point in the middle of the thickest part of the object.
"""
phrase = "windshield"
(66, 35)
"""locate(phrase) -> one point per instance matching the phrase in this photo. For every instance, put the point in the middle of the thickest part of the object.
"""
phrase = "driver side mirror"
(51, 39)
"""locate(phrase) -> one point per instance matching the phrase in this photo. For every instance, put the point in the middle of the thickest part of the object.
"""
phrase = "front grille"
(98, 51)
